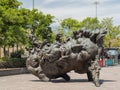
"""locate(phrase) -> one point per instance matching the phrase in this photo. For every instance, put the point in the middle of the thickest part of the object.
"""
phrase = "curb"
(13, 71)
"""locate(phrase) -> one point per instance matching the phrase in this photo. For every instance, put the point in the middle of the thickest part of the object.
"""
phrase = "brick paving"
(109, 78)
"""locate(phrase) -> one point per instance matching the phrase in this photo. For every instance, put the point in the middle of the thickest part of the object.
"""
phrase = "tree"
(69, 24)
(14, 22)
(90, 23)
(10, 20)
(41, 25)
(111, 39)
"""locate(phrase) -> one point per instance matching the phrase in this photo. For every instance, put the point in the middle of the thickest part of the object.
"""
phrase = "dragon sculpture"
(79, 53)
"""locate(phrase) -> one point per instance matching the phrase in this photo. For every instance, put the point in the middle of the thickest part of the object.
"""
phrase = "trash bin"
(109, 62)
(102, 63)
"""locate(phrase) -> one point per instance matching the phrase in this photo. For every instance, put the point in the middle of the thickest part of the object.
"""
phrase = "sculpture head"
(59, 37)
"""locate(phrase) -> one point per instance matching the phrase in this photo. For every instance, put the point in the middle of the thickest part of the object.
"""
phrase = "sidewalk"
(12, 71)
(109, 78)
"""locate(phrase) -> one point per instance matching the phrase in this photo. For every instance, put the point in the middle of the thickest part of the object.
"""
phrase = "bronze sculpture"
(80, 53)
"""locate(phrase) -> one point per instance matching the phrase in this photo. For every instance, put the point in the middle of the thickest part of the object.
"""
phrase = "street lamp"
(96, 4)
(33, 4)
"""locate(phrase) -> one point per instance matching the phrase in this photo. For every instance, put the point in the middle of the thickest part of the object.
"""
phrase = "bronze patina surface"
(79, 53)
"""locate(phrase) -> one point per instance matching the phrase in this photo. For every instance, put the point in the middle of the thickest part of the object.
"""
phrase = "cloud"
(77, 9)
(49, 1)
(73, 12)
(97, 1)
(60, 3)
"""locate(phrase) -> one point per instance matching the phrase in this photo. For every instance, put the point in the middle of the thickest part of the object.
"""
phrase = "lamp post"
(33, 4)
(96, 7)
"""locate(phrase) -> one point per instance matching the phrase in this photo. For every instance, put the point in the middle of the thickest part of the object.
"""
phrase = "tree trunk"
(109, 44)
(12, 48)
(17, 47)
(0, 52)
(8, 51)
(4, 51)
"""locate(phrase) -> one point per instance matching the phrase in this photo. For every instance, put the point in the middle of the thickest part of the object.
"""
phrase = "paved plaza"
(109, 78)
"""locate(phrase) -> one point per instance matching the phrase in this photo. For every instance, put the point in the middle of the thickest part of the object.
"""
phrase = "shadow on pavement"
(62, 80)
(36, 80)
(103, 81)
(72, 81)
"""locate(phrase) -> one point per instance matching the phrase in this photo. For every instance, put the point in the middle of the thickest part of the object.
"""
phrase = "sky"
(77, 9)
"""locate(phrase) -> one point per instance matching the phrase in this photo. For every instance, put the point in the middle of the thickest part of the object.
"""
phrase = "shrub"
(14, 61)
(17, 54)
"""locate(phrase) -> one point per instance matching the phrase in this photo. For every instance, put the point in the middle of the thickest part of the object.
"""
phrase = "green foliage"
(17, 54)
(12, 62)
(10, 3)
(0, 59)
(16, 22)
(111, 39)
(41, 25)
(90, 23)
(12, 30)
(68, 25)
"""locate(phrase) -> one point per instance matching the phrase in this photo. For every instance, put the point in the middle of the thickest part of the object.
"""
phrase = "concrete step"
(13, 71)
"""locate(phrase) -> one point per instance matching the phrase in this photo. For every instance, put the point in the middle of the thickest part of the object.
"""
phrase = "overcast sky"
(77, 9)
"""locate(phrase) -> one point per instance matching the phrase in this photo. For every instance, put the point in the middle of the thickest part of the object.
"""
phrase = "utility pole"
(96, 2)
(32, 30)
(96, 7)
(33, 4)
